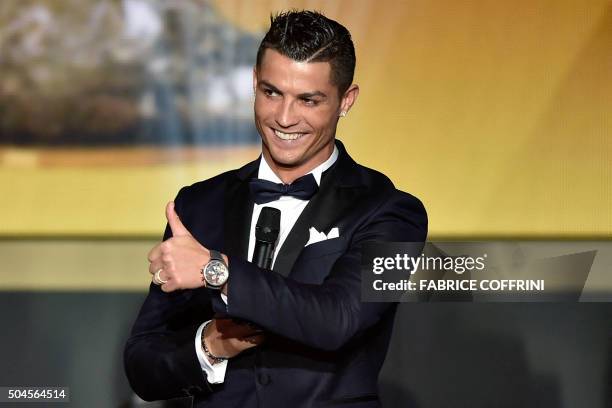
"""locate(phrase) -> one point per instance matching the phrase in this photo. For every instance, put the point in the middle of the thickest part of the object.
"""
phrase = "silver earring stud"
(343, 114)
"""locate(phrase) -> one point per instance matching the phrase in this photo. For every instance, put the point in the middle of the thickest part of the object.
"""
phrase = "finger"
(154, 253)
(159, 277)
(168, 268)
(254, 340)
(155, 266)
(177, 227)
(168, 287)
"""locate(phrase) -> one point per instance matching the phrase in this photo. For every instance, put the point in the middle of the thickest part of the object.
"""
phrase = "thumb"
(177, 227)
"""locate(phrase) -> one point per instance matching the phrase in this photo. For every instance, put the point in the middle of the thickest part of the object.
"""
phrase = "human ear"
(348, 99)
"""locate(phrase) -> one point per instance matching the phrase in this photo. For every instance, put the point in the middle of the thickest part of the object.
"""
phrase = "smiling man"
(297, 107)
(232, 334)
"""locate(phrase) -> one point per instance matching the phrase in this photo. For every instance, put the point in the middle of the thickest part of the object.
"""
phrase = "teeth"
(288, 136)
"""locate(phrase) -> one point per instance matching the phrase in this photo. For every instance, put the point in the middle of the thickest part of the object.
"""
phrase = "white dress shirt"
(290, 208)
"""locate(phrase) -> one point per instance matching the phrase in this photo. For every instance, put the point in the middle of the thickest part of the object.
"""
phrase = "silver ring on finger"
(157, 277)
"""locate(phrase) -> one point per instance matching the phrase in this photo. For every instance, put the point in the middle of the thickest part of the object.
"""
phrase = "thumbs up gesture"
(177, 227)
(177, 262)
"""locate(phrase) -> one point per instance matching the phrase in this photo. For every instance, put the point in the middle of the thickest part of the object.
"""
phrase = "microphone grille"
(268, 224)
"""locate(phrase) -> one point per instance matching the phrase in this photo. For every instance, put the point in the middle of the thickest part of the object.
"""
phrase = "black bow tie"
(265, 191)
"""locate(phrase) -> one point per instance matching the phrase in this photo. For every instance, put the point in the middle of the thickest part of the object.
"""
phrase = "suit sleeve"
(324, 316)
(160, 358)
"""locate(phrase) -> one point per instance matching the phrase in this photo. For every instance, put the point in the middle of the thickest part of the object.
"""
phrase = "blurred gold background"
(495, 114)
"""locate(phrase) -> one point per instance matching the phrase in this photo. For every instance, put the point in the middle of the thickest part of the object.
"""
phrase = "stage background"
(495, 114)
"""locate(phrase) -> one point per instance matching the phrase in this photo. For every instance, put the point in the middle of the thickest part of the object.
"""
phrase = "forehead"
(292, 76)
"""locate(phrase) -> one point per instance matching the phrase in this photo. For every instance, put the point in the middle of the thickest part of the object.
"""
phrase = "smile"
(288, 136)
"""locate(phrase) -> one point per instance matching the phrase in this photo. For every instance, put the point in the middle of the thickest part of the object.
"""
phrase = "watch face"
(215, 273)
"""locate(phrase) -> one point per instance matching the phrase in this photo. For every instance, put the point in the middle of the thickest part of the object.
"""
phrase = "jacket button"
(263, 378)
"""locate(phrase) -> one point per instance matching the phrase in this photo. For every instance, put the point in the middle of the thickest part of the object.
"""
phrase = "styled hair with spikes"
(309, 36)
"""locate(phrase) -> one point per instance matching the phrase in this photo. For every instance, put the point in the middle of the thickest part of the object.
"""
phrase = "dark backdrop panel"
(441, 355)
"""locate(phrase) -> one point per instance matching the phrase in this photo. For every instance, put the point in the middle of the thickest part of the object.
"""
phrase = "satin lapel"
(323, 212)
(238, 211)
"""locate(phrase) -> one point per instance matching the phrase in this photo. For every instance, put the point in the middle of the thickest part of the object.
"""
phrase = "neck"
(288, 174)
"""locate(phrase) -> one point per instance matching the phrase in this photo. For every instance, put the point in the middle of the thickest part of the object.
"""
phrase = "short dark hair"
(310, 36)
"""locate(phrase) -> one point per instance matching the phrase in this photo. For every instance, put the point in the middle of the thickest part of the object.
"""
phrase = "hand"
(226, 338)
(179, 258)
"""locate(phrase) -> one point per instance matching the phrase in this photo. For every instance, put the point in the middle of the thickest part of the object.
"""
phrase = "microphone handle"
(262, 256)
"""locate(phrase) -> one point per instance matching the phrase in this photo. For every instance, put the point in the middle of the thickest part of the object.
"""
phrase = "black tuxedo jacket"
(324, 347)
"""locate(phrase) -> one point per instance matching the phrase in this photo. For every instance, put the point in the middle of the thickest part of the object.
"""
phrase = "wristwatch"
(215, 273)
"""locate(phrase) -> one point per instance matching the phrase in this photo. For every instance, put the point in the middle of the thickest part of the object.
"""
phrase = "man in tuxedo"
(217, 326)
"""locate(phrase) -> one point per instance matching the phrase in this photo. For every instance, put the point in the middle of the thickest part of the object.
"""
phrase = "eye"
(310, 102)
(269, 92)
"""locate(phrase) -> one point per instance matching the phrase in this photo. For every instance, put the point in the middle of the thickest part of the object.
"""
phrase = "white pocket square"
(316, 236)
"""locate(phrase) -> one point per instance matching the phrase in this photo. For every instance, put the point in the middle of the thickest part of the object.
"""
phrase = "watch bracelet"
(215, 359)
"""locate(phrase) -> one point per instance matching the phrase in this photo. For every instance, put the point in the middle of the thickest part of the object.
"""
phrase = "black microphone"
(266, 234)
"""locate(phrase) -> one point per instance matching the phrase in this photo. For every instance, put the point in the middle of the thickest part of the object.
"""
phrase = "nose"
(286, 115)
